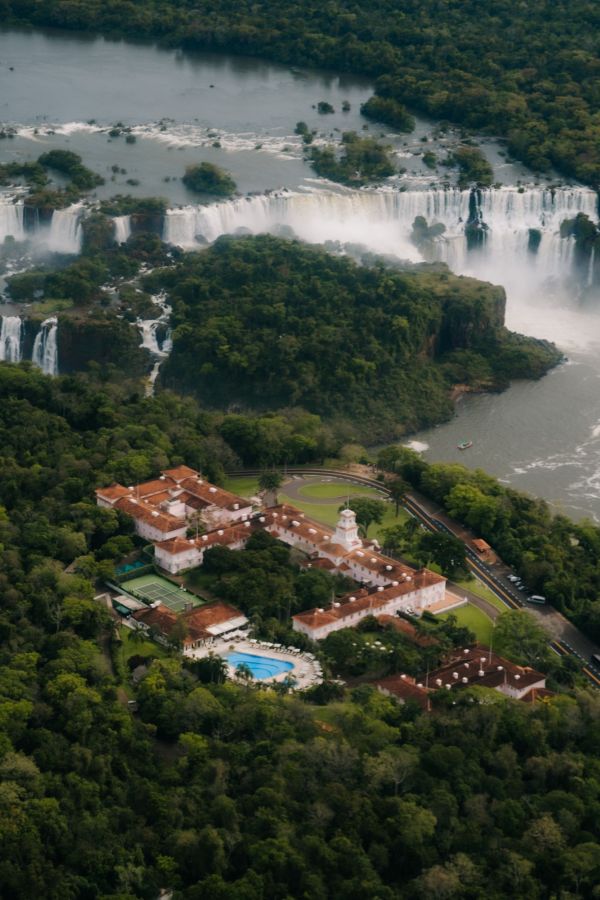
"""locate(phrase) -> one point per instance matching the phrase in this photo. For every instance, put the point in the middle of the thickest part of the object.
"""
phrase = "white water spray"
(122, 228)
(65, 233)
(382, 221)
(45, 350)
(11, 220)
(148, 329)
(590, 275)
(10, 339)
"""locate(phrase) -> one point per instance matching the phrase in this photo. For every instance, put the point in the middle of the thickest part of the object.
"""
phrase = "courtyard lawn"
(472, 617)
(242, 485)
(390, 518)
(336, 490)
(476, 586)
(326, 490)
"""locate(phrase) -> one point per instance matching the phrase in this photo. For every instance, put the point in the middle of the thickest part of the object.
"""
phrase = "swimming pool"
(260, 666)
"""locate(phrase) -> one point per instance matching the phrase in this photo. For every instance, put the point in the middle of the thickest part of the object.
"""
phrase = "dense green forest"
(526, 71)
(266, 323)
(360, 161)
(218, 791)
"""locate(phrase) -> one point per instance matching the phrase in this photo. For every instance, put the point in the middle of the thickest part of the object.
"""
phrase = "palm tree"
(244, 673)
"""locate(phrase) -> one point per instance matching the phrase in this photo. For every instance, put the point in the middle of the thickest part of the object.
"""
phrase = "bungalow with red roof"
(476, 665)
(203, 623)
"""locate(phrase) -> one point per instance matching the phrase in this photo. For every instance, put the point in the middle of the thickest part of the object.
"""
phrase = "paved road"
(565, 638)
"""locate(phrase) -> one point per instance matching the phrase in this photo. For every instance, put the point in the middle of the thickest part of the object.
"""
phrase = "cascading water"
(149, 339)
(149, 331)
(382, 221)
(10, 338)
(11, 220)
(122, 228)
(45, 350)
(65, 233)
(590, 274)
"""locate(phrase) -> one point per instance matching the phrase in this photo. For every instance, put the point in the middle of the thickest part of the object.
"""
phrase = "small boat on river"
(464, 445)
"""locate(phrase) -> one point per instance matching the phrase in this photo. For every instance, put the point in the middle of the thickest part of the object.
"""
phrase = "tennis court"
(152, 588)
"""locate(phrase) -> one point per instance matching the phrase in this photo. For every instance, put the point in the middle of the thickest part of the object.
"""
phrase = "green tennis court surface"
(153, 588)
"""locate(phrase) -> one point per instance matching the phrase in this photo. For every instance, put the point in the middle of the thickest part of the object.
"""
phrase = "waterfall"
(148, 329)
(10, 338)
(65, 233)
(45, 351)
(11, 220)
(590, 274)
(382, 221)
(122, 228)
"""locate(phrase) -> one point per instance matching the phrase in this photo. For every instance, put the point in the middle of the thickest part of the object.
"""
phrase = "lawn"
(336, 490)
(243, 486)
(326, 513)
(134, 647)
(476, 586)
(475, 619)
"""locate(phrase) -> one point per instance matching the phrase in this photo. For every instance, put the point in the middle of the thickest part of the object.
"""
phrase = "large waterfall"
(45, 351)
(11, 219)
(10, 338)
(382, 221)
(122, 228)
(65, 232)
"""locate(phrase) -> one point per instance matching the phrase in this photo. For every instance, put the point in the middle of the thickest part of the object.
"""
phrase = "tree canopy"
(256, 317)
(525, 71)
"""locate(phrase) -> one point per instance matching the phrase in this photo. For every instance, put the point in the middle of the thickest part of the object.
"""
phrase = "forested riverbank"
(526, 72)
(256, 318)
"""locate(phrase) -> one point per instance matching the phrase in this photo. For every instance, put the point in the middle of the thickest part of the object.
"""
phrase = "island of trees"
(256, 317)
(206, 178)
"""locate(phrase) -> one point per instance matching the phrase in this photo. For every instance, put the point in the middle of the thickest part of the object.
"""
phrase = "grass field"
(326, 513)
(475, 619)
(244, 486)
(474, 585)
(336, 490)
(153, 588)
(128, 648)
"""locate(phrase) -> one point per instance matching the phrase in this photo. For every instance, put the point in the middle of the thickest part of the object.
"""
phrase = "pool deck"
(306, 671)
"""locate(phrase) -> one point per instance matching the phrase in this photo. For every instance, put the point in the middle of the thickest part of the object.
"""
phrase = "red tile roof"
(180, 473)
(114, 492)
(160, 617)
(147, 488)
(201, 618)
(408, 629)
(464, 670)
(224, 537)
(213, 495)
(139, 509)
(360, 600)
(404, 688)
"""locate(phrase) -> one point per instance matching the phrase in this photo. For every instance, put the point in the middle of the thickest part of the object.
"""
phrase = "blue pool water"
(260, 666)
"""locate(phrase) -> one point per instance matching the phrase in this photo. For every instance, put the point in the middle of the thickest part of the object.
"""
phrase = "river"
(66, 90)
